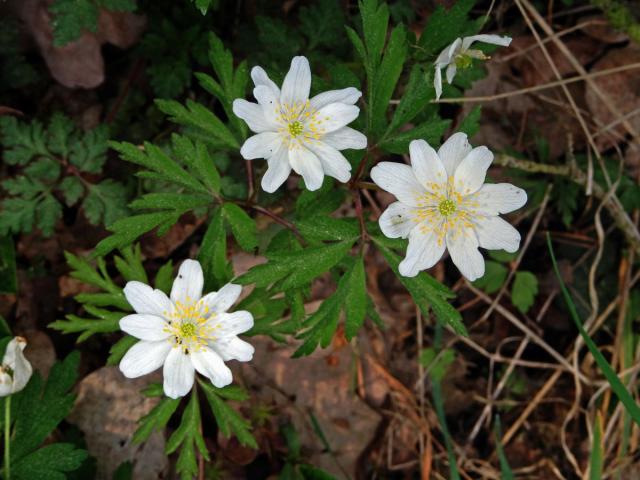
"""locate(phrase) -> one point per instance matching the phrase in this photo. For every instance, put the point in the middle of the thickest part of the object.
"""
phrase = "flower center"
(447, 207)
(463, 61)
(189, 326)
(295, 128)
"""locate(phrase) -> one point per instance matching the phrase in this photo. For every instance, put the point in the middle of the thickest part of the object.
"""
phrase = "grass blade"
(616, 385)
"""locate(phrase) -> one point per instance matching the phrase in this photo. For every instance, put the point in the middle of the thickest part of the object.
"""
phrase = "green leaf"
(204, 5)
(187, 437)
(49, 462)
(494, 276)
(437, 362)
(471, 123)
(213, 253)
(103, 321)
(387, 77)
(48, 213)
(21, 141)
(229, 421)
(524, 291)
(414, 99)
(375, 19)
(8, 277)
(505, 469)
(431, 131)
(242, 226)
(596, 458)
(118, 349)
(105, 203)
(616, 384)
(156, 419)
(355, 301)
(71, 17)
(164, 277)
(319, 202)
(321, 228)
(445, 26)
(426, 292)
(72, 190)
(40, 409)
(310, 472)
(89, 152)
(130, 264)
(200, 117)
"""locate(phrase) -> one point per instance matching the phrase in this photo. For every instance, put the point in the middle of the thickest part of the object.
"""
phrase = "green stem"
(7, 437)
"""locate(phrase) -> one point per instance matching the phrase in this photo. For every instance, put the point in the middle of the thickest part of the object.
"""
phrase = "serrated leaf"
(156, 419)
(242, 226)
(164, 277)
(431, 131)
(319, 202)
(105, 203)
(213, 253)
(524, 291)
(471, 123)
(48, 213)
(229, 421)
(50, 462)
(414, 99)
(425, 292)
(444, 26)
(321, 228)
(21, 141)
(494, 276)
(118, 349)
(72, 190)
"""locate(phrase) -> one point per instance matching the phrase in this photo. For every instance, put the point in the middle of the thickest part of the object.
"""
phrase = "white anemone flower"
(459, 55)
(15, 370)
(295, 132)
(443, 202)
(186, 332)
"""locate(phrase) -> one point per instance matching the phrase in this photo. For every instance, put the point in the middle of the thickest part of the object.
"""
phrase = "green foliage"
(524, 291)
(295, 467)
(621, 16)
(57, 163)
(444, 26)
(72, 17)
(437, 363)
(495, 274)
(107, 306)
(505, 468)
(36, 412)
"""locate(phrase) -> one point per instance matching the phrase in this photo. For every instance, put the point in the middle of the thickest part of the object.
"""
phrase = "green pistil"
(295, 129)
(463, 61)
(187, 329)
(447, 207)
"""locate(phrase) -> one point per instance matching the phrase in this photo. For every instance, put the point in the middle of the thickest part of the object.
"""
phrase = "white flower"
(459, 55)
(296, 132)
(15, 370)
(443, 203)
(185, 332)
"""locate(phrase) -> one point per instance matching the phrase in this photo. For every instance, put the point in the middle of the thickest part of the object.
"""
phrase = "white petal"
(253, 114)
(144, 299)
(262, 145)
(230, 324)
(492, 39)
(463, 248)
(496, 198)
(187, 287)
(307, 164)
(21, 367)
(424, 250)
(221, 301)
(494, 233)
(15, 347)
(348, 95)
(399, 179)
(269, 102)
(335, 116)
(437, 82)
(178, 373)
(144, 327)
(278, 171)
(209, 364)
(260, 77)
(453, 151)
(333, 162)
(397, 220)
(297, 82)
(448, 53)
(470, 174)
(6, 384)
(345, 137)
(144, 357)
(451, 72)
(234, 349)
(426, 165)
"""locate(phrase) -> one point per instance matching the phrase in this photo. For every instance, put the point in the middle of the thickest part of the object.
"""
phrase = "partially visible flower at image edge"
(295, 132)
(443, 203)
(459, 55)
(186, 332)
(15, 370)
